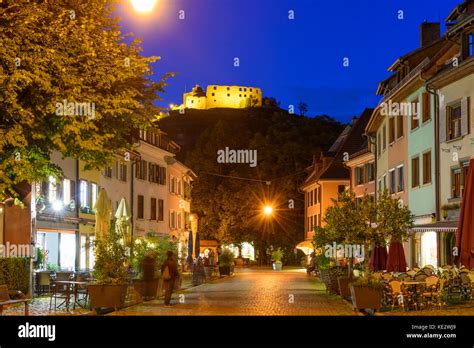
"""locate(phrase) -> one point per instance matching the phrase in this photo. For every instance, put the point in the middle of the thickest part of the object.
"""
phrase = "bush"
(15, 273)
(226, 258)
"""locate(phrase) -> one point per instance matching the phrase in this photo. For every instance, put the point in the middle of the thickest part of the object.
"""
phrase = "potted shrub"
(226, 262)
(277, 256)
(110, 272)
(366, 293)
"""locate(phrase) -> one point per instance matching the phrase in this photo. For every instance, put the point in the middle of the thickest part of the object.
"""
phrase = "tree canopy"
(231, 197)
(58, 56)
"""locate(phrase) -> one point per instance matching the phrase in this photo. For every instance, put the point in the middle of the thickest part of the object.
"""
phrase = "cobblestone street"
(251, 292)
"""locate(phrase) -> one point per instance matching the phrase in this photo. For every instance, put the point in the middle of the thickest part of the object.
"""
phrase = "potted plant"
(110, 271)
(277, 256)
(366, 293)
(40, 259)
(226, 262)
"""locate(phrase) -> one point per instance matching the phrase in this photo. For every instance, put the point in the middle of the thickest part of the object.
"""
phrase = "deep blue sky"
(291, 60)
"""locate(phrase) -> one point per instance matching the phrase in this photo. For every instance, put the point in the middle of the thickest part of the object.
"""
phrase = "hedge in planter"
(15, 273)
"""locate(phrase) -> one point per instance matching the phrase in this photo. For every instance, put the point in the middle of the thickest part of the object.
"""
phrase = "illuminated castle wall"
(236, 97)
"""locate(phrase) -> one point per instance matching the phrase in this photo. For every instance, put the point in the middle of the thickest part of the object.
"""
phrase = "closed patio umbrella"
(189, 259)
(123, 222)
(102, 214)
(197, 245)
(378, 258)
(396, 261)
(465, 230)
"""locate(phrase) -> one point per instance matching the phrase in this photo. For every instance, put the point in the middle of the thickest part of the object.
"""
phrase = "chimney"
(429, 33)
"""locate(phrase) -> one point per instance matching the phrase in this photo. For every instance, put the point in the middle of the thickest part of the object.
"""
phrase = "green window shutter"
(465, 116)
(442, 124)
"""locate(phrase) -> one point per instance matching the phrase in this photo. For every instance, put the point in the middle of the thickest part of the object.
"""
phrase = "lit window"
(83, 193)
(93, 194)
(66, 191)
(52, 190)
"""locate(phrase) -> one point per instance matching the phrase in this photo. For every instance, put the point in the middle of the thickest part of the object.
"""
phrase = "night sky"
(291, 60)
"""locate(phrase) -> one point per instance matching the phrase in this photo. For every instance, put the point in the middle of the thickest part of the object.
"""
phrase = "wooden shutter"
(465, 116)
(442, 124)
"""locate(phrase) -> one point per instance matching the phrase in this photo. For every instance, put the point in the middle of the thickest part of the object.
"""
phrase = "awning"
(306, 247)
(439, 226)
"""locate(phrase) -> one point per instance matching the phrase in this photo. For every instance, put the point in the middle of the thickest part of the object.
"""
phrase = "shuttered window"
(427, 168)
(426, 105)
(415, 171)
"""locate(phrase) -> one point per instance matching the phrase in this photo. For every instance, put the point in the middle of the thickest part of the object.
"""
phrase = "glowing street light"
(268, 210)
(143, 6)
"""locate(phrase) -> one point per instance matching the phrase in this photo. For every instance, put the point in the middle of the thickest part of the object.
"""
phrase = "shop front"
(433, 244)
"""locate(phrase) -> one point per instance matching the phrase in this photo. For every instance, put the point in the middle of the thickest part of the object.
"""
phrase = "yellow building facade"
(235, 97)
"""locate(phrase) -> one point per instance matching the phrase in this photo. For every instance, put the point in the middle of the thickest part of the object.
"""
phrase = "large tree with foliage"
(73, 51)
(231, 207)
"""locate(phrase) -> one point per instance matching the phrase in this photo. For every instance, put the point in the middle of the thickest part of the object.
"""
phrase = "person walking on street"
(169, 271)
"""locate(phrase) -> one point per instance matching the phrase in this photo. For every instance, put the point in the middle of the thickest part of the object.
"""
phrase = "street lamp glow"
(268, 210)
(143, 6)
(57, 205)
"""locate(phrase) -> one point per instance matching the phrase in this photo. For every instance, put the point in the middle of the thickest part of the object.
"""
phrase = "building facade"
(236, 97)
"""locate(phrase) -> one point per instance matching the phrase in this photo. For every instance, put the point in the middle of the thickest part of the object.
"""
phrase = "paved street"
(253, 291)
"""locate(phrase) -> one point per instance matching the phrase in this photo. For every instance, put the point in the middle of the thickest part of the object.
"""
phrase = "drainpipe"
(435, 95)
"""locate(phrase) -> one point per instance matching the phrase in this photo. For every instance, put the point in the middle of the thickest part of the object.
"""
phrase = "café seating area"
(426, 288)
(65, 289)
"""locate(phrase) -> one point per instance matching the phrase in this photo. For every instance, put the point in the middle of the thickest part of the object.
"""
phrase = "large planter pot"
(107, 296)
(344, 286)
(148, 289)
(366, 297)
(225, 270)
(277, 266)
(329, 278)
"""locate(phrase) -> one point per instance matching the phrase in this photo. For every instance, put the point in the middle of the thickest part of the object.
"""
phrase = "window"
(391, 174)
(470, 40)
(228, 94)
(427, 167)
(172, 219)
(380, 186)
(107, 172)
(341, 188)
(83, 193)
(391, 130)
(311, 198)
(426, 107)
(453, 127)
(141, 169)
(178, 218)
(162, 171)
(153, 209)
(94, 193)
(370, 172)
(400, 126)
(172, 184)
(465, 167)
(140, 207)
(160, 210)
(415, 117)
(415, 171)
(379, 144)
(384, 182)
(52, 190)
(360, 178)
(384, 138)
(122, 171)
(401, 179)
(213, 94)
(456, 183)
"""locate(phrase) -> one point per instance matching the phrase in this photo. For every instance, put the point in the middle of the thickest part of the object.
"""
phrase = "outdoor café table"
(72, 285)
(415, 290)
